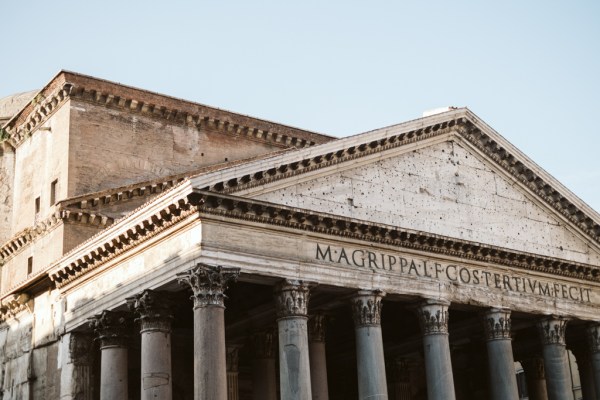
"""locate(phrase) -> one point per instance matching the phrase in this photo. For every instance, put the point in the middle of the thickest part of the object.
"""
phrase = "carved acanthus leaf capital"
(291, 298)
(552, 330)
(366, 308)
(208, 283)
(433, 317)
(593, 337)
(316, 328)
(112, 328)
(154, 310)
(233, 357)
(497, 324)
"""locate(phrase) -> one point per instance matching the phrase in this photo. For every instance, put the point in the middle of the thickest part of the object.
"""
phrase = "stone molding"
(366, 308)
(27, 236)
(433, 317)
(534, 368)
(295, 218)
(497, 324)
(265, 345)
(112, 328)
(316, 327)
(15, 304)
(593, 337)
(154, 310)
(208, 283)
(190, 114)
(552, 330)
(291, 298)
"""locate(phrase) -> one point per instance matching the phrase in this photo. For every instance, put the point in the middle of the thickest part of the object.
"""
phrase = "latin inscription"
(375, 261)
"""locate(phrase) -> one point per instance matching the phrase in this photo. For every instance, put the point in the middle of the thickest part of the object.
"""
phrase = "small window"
(29, 266)
(53, 192)
(37, 206)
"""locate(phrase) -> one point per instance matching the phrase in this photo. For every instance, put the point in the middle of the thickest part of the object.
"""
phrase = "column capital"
(264, 343)
(593, 337)
(433, 317)
(232, 357)
(80, 348)
(291, 298)
(552, 330)
(497, 324)
(112, 328)
(366, 308)
(208, 283)
(316, 327)
(153, 309)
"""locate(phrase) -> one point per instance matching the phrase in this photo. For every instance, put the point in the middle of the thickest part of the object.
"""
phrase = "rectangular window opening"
(53, 192)
(29, 266)
(37, 206)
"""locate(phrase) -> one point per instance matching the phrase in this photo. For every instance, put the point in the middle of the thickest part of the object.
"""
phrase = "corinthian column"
(112, 329)
(294, 368)
(535, 377)
(593, 339)
(433, 318)
(208, 285)
(154, 313)
(264, 379)
(366, 312)
(556, 364)
(233, 360)
(318, 359)
(503, 379)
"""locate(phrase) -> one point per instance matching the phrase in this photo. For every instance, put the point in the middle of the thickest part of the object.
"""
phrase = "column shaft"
(318, 357)
(208, 284)
(369, 346)
(593, 340)
(535, 378)
(503, 379)
(556, 363)
(433, 317)
(264, 371)
(294, 366)
(233, 391)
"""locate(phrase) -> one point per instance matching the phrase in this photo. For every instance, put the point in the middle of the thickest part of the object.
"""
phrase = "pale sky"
(529, 69)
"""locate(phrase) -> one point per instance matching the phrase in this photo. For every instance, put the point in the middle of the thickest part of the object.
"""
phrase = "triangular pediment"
(445, 188)
(448, 174)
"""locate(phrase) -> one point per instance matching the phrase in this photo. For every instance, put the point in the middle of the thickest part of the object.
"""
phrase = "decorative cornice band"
(27, 236)
(433, 317)
(208, 283)
(14, 305)
(366, 308)
(155, 224)
(497, 324)
(291, 298)
(552, 330)
(268, 213)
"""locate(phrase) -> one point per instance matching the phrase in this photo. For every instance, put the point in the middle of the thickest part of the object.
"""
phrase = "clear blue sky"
(530, 69)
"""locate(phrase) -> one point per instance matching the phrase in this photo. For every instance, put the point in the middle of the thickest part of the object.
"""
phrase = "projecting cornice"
(461, 123)
(27, 236)
(67, 85)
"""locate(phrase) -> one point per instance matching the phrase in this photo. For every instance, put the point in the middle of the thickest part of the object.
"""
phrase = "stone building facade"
(155, 248)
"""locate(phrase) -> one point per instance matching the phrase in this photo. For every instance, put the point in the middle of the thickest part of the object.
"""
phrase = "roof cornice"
(67, 85)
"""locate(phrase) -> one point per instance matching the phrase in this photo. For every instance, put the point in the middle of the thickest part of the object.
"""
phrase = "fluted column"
(503, 379)
(232, 362)
(318, 359)
(154, 313)
(402, 379)
(535, 377)
(593, 340)
(556, 363)
(112, 330)
(208, 285)
(366, 307)
(291, 299)
(433, 318)
(264, 371)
